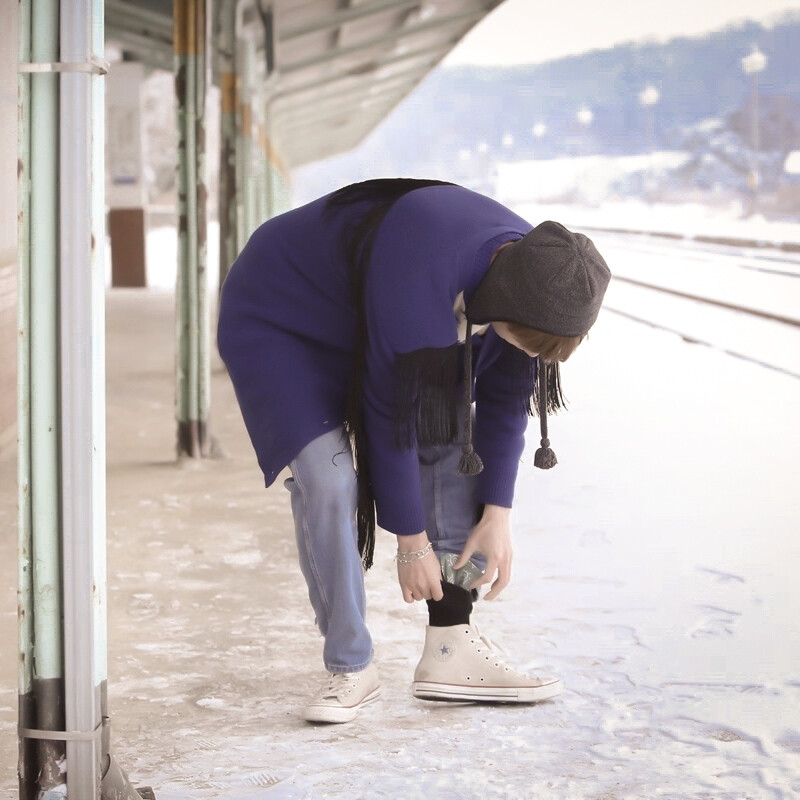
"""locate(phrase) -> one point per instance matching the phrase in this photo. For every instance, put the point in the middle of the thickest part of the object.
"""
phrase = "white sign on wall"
(124, 151)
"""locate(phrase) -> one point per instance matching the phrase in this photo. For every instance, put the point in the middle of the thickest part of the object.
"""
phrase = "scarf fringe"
(426, 407)
(378, 196)
(427, 380)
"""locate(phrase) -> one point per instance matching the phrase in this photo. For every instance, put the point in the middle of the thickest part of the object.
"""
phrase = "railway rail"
(736, 296)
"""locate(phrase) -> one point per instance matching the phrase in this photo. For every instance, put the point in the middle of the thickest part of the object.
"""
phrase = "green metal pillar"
(41, 687)
(27, 705)
(261, 204)
(82, 396)
(226, 53)
(277, 197)
(278, 192)
(62, 590)
(193, 379)
(245, 156)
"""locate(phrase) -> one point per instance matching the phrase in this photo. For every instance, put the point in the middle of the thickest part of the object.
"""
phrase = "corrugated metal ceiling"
(339, 66)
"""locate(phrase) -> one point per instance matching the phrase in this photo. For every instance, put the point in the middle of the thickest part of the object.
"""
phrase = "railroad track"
(740, 299)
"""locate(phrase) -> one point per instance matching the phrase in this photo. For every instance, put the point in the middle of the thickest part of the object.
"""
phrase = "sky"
(532, 31)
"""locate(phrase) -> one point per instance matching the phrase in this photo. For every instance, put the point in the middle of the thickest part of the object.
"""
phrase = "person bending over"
(387, 343)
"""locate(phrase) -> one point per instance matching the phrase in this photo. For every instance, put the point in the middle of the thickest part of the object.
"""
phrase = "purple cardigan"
(286, 331)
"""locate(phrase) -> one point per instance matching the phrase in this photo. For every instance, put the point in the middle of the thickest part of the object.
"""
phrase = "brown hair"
(549, 346)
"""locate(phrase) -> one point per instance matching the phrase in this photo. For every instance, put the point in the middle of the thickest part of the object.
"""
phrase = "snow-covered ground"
(768, 284)
(534, 187)
(685, 219)
(655, 572)
(592, 177)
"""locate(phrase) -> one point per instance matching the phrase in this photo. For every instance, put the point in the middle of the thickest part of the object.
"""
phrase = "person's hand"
(492, 538)
(421, 579)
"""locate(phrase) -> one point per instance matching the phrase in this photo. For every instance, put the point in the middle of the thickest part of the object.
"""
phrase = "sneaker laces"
(338, 683)
(500, 655)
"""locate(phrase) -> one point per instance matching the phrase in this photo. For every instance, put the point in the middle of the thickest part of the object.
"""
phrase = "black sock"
(453, 609)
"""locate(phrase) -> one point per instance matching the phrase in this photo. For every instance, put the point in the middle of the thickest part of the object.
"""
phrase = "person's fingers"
(487, 576)
(433, 589)
(503, 579)
(435, 580)
(465, 556)
(497, 587)
(422, 580)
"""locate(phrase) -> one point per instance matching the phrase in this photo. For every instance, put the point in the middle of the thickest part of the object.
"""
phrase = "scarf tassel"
(548, 398)
(544, 457)
(470, 463)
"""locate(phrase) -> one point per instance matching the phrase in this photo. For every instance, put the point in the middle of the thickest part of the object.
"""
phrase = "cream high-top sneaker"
(343, 695)
(459, 664)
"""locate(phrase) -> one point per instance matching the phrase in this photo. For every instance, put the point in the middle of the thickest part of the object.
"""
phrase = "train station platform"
(655, 572)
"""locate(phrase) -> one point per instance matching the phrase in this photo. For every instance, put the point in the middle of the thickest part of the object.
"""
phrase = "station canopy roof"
(336, 67)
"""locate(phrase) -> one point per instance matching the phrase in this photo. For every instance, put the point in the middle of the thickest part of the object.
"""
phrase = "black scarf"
(426, 400)
(378, 196)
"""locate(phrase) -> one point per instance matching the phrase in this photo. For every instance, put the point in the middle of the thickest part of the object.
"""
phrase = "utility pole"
(752, 65)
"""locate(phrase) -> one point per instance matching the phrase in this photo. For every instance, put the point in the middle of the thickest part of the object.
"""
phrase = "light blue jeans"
(324, 493)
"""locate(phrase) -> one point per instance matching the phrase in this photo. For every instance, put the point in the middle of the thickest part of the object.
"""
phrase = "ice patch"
(244, 558)
(211, 702)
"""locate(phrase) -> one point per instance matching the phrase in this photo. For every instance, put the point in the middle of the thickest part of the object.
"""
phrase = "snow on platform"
(655, 571)
(593, 177)
(687, 220)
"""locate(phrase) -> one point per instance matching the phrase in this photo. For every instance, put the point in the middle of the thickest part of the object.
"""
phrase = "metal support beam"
(48, 675)
(133, 15)
(351, 97)
(397, 85)
(420, 70)
(193, 378)
(339, 18)
(277, 193)
(62, 586)
(303, 150)
(25, 603)
(245, 143)
(319, 115)
(262, 175)
(379, 41)
(225, 29)
(377, 107)
(149, 50)
(82, 355)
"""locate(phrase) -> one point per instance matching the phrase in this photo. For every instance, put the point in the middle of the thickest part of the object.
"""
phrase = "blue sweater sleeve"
(500, 424)
(394, 472)
(501, 419)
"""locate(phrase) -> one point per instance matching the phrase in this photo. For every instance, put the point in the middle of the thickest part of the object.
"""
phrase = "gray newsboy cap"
(552, 280)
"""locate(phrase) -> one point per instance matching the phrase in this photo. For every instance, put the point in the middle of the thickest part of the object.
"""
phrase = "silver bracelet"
(416, 555)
